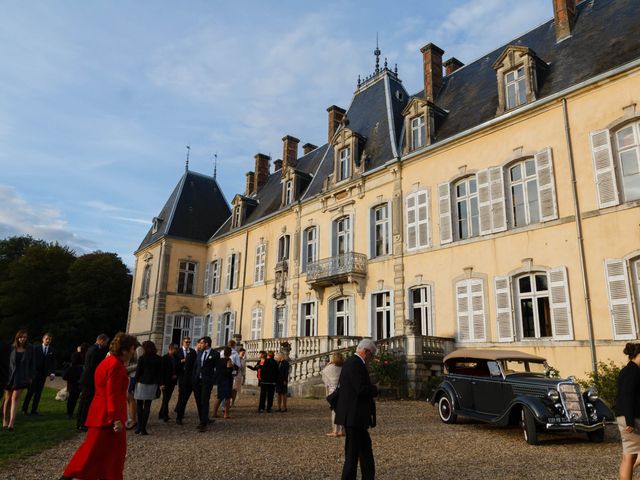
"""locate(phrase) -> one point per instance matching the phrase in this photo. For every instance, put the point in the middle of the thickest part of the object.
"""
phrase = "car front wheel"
(445, 409)
(528, 424)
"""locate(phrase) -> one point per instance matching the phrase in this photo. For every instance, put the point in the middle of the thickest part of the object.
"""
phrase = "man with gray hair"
(356, 410)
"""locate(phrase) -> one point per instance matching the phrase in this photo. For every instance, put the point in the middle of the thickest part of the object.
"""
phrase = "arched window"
(523, 184)
(627, 141)
(309, 247)
(533, 308)
(466, 204)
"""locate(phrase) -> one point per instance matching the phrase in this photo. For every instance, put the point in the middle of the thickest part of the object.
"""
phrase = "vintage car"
(508, 387)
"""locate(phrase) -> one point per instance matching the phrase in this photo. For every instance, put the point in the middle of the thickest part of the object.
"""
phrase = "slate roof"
(194, 211)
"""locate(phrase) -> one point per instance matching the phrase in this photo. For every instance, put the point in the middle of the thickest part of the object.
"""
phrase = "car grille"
(572, 402)
(529, 390)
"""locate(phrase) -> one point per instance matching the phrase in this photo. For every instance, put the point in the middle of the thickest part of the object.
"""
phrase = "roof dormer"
(294, 183)
(348, 155)
(241, 208)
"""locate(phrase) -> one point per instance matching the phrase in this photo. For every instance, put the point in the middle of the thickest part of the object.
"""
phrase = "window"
(215, 276)
(470, 310)
(261, 250)
(288, 192)
(344, 164)
(176, 327)
(280, 320)
(146, 281)
(619, 288)
(309, 247)
(525, 203)
(515, 85)
(308, 325)
(342, 316)
(233, 271)
(225, 331)
(533, 306)
(467, 217)
(417, 132)
(628, 147)
(342, 231)
(381, 233)
(381, 310)
(283, 248)
(156, 225)
(186, 278)
(420, 298)
(237, 211)
(256, 323)
(417, 220)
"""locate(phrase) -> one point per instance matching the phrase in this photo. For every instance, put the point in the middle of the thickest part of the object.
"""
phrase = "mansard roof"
(606, 35)
(194, 211)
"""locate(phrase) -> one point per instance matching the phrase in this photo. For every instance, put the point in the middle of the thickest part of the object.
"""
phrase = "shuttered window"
(417, 208)
(226, 326)
(187, 278)
(261, 252)
(233, 271)
(471, 310)
(504, 313)
(628, 160)
(256, 323)
(491, 200)
(603, 169)
(309, 247)
(215, 276)
(620, 303)
(380, 231)
(534, 310)
(207, 279)
(466, 205)
(421, 308)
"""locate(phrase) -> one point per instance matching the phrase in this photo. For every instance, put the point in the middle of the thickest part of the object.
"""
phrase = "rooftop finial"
(377, 52)
(385, 63)
(395, 70)
(186, 166)
(215, 165)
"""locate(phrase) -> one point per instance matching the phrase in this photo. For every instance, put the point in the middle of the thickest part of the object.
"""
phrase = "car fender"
(603, 411)
(446, 388)
(535, 405)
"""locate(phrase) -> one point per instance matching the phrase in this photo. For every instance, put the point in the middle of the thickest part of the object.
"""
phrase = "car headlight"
(592, 394)
(553, 395)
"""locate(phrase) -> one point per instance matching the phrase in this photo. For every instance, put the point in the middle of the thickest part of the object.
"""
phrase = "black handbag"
(332, 398)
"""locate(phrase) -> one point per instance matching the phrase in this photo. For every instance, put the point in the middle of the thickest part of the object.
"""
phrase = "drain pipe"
(583, 267)
(238, 336)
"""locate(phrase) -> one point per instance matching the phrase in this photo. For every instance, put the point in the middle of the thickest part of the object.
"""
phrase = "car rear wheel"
(528, 424)
(445, 409)
(596, 436)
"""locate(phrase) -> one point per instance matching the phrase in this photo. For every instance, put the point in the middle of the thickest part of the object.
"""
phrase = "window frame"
(260, 263)
(257, 316)
(620, 177)
(233, 271)
(386, 309)
(283, 323)
(384, 239)
(284, 247)
(306, 244)
(288, 192)
(418, 125)
(518, 82)
(237, 216)
(466, 199)
(312, 318)
(184, 274)
(525, 180)
(533, 295)
(425, 305)
(346, 314)
(344, 164)
(216, 267)
(146, 281)
(417, 223)
(346, 235)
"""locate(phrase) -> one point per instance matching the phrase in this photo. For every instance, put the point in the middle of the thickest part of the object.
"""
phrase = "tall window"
(344, 164)
(343, 235)
(309, 247)
(533, 301)
(256, 323)
(515, 86)
(417, 220)
(235, 222)
(233, 271)
(283, 248)
(146, 281)
(628, 147)
(181, 328)
(524, 193)
(467, 208)
(341, 315)
(381, 233)
(279, 327)
(215, 276)
(226, 328)
(470, 310)
(421, 309)
(187, 278)
(381, 309)
(261, 250)
(288, 192)
(308, 325)
(417, 132)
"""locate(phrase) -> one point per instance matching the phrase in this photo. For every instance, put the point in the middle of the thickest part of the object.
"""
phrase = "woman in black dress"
(282, 385)
(72, 377)
(148, 377)
(22, 369)
(224, 382)
(628, 410)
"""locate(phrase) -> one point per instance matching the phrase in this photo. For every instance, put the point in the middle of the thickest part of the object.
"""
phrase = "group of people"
(273, 377)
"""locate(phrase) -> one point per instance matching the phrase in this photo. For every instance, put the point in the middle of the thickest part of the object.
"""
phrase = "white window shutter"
(498, 206)
(233, 325)
(546, 185)
(444, 203)
(207, 279)
(236, 269)
(210, 331)
(620, 305)
(484, 202)
(412, 221)
(504, 312)
(478, 311)
(168, 333)
(560, 304)
(229, 269)
(463, 310)
(604, 169)
(220, 329)
(197, 327)
(424, 225)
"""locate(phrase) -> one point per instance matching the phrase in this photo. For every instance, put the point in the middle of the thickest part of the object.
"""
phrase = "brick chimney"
(251, 178)
(289, 151)
(432, 66)
(336, 114)
(564, 14)
(277, 165)
(452, 65)
(261, 175)
(308, 147)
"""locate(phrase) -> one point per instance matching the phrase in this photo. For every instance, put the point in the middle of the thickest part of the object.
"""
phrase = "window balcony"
(348, 267)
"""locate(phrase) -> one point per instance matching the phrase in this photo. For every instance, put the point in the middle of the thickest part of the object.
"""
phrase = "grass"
(35, 434)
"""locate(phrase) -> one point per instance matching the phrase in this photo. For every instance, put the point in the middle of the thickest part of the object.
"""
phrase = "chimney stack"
(452, 65)
(336, 114)
(308, 147)
(277, 165)
(432, 66)
(248, 190)
(289, 151)
(261, 175)
(564, 15)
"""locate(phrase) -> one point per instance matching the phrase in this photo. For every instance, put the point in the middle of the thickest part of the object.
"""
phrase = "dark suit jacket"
(44, 365)
(206, 373)
(92, 359)
(28, 371)
(269, 371)
(356, 407)
(169, 370)
(5, 352)
(148, 370)
(185, 370)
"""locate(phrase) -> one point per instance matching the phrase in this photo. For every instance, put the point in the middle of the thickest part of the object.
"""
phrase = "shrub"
(605, 380)
(386, 369)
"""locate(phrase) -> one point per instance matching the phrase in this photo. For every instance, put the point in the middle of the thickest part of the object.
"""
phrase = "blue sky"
(99, 99)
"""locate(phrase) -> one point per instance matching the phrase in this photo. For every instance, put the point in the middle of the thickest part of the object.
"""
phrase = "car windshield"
(511, 367)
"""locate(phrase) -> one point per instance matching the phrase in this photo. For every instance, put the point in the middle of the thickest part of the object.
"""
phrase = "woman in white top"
(330, 377)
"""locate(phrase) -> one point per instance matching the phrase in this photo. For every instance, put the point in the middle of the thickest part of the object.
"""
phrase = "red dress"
(101, 456)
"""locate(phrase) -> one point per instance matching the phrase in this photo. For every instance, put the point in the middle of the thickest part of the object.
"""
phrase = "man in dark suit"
(204, 378)
(268, 380)
(45, 367)
(92, 359)
(186, 360)
(168, 380)
(356, 410)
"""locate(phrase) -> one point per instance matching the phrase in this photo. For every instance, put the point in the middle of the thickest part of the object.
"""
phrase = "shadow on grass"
(35, 434)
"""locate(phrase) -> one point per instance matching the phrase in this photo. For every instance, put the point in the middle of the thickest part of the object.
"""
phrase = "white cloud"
(19, 217)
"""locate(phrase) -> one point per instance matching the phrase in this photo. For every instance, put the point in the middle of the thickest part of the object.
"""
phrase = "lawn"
(34, 434)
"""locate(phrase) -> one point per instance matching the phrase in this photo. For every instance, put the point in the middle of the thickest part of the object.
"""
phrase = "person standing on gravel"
(204, 378)
(186, 361)
(95, 354)
(356, 410)
(331, 377)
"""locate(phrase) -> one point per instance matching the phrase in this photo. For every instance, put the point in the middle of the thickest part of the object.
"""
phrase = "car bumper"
(579, 427)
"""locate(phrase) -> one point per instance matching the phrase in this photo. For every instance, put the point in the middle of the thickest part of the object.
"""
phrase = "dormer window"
(155, 225)
(516, 90)
(288, 192)
(237, 216)
(344, 164)
(418, 133)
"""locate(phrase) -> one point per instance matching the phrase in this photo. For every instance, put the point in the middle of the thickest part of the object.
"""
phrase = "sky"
(99, 99)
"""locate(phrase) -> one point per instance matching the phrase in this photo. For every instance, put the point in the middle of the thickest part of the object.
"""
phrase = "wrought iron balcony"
(344, 268)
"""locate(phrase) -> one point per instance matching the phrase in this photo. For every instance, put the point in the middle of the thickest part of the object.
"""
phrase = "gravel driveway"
(409, 442)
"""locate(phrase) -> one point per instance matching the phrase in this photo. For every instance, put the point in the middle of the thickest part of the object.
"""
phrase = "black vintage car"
(508, 387)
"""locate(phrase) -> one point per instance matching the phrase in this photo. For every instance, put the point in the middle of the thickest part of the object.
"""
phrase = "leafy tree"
(13, 248)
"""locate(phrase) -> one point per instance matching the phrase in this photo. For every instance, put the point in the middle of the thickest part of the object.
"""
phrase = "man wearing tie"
(45, 367)
(168, 380)
(186, 360)
(204, 378)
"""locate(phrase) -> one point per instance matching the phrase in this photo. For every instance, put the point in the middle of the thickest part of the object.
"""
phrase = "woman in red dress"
(101, 456)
